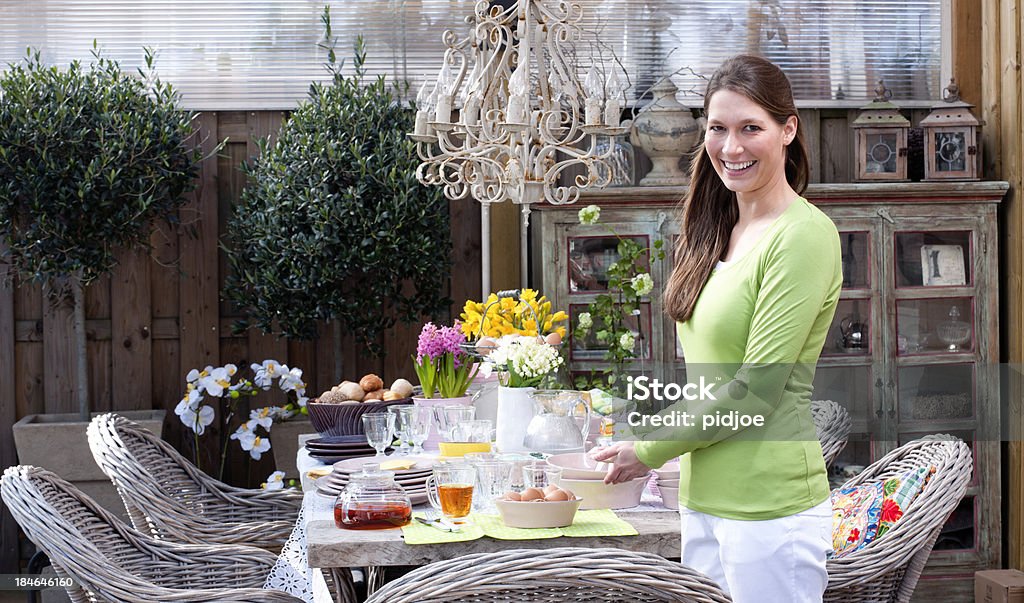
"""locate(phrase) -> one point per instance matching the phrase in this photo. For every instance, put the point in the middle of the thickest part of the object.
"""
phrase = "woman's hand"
(625, 464)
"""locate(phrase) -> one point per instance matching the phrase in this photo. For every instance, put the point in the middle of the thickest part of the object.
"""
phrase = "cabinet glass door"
(929, 258)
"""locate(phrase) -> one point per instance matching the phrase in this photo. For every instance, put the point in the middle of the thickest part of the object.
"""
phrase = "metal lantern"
(881, 139)
(952, 150)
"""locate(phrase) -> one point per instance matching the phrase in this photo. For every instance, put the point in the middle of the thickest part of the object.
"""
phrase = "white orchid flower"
(266, 373)
(217, 381)
(192, 376)
(243, 430)
(275, 481)
(263, 416)
(196, 421)
(254, 444)
(302, 399)
(292, 380)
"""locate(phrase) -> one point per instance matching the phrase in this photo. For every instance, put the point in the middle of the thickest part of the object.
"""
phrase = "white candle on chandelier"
(517, 88)
(592, 86)
(471, 98)
(443, 114)
(613, 106)
(423, 110)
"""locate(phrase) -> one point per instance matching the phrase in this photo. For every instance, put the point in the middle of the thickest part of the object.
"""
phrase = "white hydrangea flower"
(590, 214)
(642, 283)
(626, 341)
(584, 320)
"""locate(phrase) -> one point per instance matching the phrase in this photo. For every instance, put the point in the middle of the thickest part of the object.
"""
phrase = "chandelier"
(527, 128)
(523, 116)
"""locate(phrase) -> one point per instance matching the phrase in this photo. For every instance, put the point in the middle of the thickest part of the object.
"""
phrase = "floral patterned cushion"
(855, 513)
(898, 493)
(860, 514)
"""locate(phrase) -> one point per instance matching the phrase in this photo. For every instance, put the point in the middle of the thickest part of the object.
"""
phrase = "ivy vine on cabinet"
(913, 348)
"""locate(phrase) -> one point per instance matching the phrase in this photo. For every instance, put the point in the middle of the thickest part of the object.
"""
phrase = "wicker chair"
(169, 498)
(552, 575)
(109, 561)
(832, 423)
(888, 568)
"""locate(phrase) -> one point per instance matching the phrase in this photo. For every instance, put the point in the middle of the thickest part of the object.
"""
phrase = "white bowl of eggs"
(552, 507)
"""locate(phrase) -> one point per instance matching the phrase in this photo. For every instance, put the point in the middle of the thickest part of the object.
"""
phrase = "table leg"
(344, 589)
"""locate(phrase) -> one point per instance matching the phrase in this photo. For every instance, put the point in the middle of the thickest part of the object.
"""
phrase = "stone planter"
(665, 131)
(284, 443)
(58, 442)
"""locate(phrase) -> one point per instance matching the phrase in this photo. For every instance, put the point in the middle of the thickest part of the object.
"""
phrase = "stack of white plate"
(668, 484)
(413, 479)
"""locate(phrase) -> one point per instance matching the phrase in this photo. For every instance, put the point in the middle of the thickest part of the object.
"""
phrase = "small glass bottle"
(620, 160)
(372, 500)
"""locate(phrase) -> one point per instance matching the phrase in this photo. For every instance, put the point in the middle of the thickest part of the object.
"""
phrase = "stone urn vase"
(665, 131)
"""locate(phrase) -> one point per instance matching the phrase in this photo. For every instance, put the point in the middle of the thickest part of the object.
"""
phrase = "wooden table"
(332, 549)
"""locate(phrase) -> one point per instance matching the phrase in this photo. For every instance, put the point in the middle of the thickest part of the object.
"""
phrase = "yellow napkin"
(397, 464)
(319, 472)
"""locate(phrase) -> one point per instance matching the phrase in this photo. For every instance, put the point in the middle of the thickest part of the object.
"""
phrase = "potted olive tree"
(90, 156)
(333, 225)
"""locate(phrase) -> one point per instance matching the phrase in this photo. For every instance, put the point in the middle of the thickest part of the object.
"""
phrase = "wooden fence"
(156, 317)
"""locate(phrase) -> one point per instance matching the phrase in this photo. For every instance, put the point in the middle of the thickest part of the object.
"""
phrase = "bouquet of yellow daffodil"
(529, 315)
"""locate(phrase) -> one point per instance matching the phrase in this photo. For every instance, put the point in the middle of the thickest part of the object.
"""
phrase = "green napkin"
(598, 522)
(416, 533)
(495, 528)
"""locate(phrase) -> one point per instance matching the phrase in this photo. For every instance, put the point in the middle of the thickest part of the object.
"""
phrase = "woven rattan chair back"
(108, 560)
(169, 497)
(888, 568)
(554, 575)
(832, 424)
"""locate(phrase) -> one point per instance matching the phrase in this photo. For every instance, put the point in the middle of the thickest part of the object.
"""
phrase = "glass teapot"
(372, 500)
(560, 424)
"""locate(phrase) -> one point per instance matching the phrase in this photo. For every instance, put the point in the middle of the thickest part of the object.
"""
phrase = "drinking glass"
(447, 417)
(417, 420)
(493, 479)
(379, 428)
(518, 461)
(477, 430)
(539, 475)
(401, 431)
(450, 490)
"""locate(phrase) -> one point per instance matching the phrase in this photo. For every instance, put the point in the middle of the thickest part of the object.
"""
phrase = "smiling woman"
(754, 290)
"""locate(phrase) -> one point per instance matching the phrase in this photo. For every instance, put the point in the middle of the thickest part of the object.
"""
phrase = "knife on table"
(439, 524)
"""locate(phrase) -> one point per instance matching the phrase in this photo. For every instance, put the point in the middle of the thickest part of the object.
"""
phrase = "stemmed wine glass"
(379, 428)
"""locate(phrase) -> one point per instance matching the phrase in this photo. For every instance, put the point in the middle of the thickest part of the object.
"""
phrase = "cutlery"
(439, 524)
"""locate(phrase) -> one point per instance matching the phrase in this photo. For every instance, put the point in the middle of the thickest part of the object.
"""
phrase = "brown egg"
(569, 495)
(557, 495)
(531, 494)
(553, 339)
(548, 489)
(511, 496)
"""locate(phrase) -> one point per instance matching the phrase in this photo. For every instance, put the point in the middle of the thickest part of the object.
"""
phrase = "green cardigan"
(757, 330)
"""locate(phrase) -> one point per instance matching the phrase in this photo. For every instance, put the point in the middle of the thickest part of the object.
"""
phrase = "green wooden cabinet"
(913, 349)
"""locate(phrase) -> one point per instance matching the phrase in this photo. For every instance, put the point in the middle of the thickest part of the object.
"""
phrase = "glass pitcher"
(561, 423)
(372, 500)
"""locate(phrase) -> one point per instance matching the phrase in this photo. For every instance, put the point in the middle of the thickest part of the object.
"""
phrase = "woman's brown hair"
(709, 209)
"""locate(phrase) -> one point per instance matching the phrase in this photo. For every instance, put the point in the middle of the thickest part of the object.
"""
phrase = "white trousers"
(776, 560)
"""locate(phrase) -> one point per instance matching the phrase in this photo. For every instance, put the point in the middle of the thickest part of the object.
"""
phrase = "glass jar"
(372, 500)
(620, 161)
